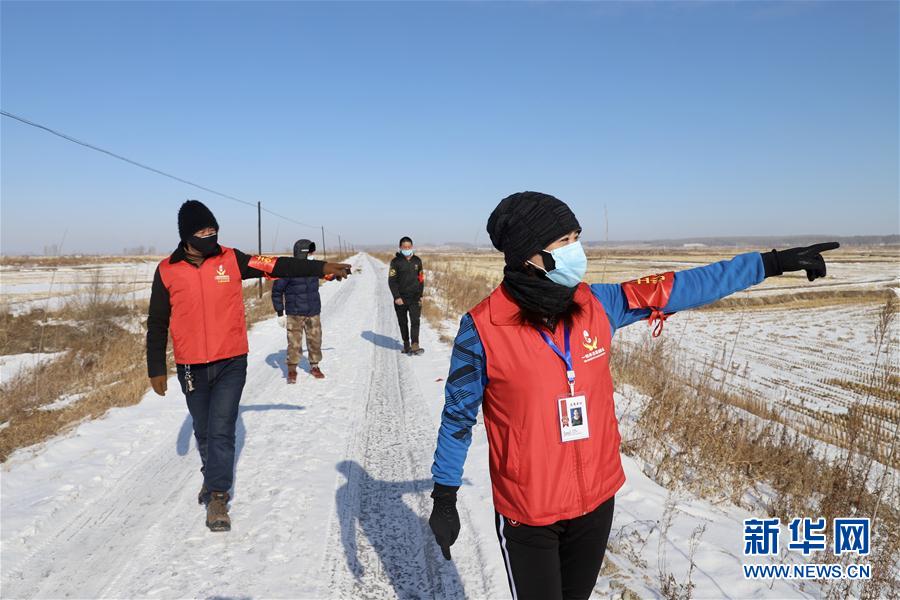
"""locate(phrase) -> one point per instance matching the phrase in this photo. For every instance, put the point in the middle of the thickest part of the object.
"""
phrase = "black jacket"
(161, 308)
(406, 278)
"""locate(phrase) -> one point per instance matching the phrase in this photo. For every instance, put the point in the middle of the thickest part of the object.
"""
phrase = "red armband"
(651, 292)
(421, 276)
(263, 263)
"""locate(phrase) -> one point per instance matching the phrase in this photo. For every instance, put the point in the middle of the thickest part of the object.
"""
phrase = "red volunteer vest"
(207, 322)
(536, 478)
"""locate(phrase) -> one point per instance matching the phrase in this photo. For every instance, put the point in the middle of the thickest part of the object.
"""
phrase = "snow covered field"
(796, 359)
(331, 494)
(49, 288)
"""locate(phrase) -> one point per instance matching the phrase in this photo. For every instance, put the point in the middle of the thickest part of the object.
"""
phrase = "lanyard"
(566, 358)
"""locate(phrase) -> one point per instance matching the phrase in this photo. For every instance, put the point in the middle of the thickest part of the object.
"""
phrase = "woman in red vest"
(535, 356)
(197, 296)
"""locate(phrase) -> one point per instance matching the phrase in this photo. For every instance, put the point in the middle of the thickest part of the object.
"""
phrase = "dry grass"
(449, 294)
(888, 388)
(104, 363)
(692, 435)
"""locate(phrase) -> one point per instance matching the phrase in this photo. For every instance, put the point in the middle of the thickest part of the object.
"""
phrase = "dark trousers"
(558, 561)
(413, 308)
(213, 405)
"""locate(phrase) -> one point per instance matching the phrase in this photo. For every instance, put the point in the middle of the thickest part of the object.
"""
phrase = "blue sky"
(384, 119)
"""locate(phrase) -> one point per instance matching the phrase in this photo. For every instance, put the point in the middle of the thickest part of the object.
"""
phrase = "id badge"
(573, 418)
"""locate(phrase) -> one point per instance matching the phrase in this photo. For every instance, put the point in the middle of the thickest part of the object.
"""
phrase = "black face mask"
(206, 246)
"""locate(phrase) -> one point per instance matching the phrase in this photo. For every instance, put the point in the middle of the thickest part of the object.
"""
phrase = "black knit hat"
(525, 223)
(303, 247)
(194, 216)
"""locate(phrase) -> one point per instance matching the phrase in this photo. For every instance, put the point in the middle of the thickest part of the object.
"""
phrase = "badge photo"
(573, 420)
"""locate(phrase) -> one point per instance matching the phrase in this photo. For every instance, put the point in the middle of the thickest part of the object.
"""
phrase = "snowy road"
(331, 493)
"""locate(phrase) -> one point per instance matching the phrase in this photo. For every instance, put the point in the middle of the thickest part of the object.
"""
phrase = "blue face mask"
(571, 265)
(407, 252)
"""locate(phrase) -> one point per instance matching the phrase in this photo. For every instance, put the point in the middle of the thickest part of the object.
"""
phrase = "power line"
(273, 213)
(154, 170)
(123, 158)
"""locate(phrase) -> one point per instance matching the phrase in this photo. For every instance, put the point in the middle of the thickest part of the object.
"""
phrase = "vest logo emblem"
(591, 345)
(221, 276)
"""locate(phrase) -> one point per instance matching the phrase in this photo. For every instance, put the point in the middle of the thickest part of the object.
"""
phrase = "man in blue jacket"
(299, 298)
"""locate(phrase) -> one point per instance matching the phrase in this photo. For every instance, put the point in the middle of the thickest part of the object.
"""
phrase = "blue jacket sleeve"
(463, 395)
(278, 294)
(692, 288)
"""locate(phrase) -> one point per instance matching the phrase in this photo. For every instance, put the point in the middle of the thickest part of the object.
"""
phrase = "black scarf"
(537, 296)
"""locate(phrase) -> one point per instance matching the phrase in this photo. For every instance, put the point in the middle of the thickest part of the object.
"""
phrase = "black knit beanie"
(525, 223)
(194, 216)
(303, 247)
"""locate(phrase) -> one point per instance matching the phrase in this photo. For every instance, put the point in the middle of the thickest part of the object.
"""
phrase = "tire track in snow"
(380, 544)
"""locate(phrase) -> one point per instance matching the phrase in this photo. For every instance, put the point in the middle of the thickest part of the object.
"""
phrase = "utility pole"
(324, 253)
(259, 232)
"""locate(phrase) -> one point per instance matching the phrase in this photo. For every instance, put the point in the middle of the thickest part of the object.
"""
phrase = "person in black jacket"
(197, 295)
(407, 282)
(299, 298)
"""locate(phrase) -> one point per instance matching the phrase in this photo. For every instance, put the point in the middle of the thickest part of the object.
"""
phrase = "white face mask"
(571, 264)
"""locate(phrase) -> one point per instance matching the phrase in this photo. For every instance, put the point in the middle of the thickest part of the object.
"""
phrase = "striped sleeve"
(463, 394)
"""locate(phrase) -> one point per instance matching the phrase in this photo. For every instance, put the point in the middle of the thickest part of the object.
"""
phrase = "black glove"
(444, 519)
(280, 313)
(807, 259)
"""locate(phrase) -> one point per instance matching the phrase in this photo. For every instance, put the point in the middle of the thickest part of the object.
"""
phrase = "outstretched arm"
(658, 296)
(284, 266)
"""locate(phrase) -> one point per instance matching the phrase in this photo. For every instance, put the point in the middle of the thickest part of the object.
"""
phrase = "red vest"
(536, 478)
(207, 322)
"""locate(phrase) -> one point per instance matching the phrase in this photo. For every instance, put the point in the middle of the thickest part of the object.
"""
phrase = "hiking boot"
(203, 496)
(414, 349)
(317, 373)
(405, 347)
(217, 518)
(292, 374)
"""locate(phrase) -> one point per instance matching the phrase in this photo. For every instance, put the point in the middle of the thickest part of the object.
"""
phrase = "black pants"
(558, 561)
(214, 405)
(413, 308)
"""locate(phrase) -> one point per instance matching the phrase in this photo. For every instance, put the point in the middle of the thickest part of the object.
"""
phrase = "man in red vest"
(197, 296)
